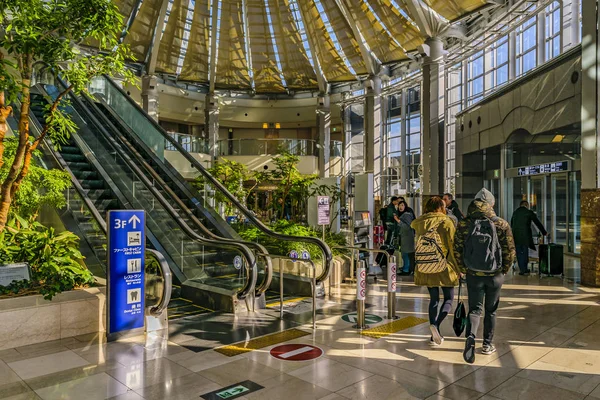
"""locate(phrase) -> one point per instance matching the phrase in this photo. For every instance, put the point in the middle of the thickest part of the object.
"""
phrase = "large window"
(413, 138)
(553, 30)
(475, 73)
(526, 46)
(357, 130)
(496, 64)
(454, 104)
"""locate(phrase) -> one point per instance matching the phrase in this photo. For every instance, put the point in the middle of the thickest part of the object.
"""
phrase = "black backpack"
(383, 215)
(482, 247)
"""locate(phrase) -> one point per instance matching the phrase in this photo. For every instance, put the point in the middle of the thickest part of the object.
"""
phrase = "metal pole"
(351, 227)
(314, 296)
(392, 288)
(361, 292)
(280, 288)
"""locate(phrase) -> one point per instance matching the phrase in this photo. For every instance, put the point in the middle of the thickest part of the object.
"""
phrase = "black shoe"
(469, 353)
(526, 273)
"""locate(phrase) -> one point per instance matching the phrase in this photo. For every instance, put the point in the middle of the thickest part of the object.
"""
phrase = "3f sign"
(122, 224)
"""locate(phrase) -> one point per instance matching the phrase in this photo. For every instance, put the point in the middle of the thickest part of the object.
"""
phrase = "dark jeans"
(391, 235)
(522, 257)
(480, 288)
(435, 317)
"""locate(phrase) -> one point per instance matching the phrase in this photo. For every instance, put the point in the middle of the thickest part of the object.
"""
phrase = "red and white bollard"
(391, 275)
(361, 294)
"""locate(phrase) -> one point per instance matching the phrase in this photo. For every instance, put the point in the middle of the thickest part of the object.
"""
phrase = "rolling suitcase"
(551, 259)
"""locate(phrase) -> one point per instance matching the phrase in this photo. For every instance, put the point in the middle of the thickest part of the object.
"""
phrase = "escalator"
(126, 119)
(219, 274)
(83, 218)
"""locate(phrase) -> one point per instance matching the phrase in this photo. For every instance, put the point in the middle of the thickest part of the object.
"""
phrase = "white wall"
(184, 167)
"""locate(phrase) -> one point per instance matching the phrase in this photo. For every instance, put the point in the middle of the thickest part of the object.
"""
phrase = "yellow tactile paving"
(295, 300)
(392, 327)
(260, 342)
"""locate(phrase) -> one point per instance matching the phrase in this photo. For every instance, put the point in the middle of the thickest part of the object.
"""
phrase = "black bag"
(460, 315)
(381, 259)
(551, 255)
(482, 248)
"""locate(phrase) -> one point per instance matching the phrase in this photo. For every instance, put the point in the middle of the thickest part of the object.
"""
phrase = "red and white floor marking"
(296, 352)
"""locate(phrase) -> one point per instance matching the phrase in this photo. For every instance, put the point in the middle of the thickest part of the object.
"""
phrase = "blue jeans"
(406, 262)
(522, 257)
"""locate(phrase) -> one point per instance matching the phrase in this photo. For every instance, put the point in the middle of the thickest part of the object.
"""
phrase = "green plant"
(281, 247)
(54, 258)
(48, 32)
(40, 187)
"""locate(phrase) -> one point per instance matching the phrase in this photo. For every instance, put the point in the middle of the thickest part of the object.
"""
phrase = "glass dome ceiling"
(271, 46)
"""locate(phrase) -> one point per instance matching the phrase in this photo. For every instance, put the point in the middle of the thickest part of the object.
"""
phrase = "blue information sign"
(126, 248)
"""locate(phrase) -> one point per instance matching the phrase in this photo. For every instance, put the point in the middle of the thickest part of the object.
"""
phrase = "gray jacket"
(407, 234)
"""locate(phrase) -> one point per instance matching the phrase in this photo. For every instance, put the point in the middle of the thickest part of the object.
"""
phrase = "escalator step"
(80, 166)
(67, 149)
(75, 158)
(92, 184)
(82, 175)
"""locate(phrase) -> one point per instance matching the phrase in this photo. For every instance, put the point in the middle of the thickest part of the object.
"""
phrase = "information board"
(323, 210)
(126, 248)
(544, 168)
(14, 272)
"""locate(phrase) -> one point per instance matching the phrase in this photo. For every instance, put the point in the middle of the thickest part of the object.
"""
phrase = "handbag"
(460, 315)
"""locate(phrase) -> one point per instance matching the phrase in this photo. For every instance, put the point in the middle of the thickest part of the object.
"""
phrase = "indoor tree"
(49, 33)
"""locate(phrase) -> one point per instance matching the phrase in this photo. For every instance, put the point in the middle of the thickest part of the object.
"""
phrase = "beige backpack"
(429, 256)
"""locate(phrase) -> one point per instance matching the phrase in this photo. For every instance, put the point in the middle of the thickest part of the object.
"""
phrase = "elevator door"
(548, 197)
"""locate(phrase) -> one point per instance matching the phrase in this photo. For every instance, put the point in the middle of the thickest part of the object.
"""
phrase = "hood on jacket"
(407, 218)
(480, 208)
(486, 196)
(427, 221)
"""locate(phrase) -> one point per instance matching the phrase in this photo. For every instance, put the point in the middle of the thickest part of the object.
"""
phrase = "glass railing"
(209, 264)
(266, 147)
(190, 143)
(215, 194)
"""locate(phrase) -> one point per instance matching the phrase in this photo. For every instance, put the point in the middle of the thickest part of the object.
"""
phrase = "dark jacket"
(456, 210)
(521, 226)
(407, 235)
(479, 209)
(391, 212)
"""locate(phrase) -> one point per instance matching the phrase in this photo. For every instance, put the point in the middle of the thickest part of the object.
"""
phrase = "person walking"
(521, 222)
(485, 250)
(436, 266)
(407, 238)
(452, 206)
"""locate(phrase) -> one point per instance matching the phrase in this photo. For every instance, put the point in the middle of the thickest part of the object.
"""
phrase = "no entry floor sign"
(369, 318)
(296, 352)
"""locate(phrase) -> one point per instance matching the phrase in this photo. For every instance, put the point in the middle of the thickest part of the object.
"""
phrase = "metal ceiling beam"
(212, 75)
(416, 11)
(130, 20)
(371, 63)
(152, 55)
(321, 80)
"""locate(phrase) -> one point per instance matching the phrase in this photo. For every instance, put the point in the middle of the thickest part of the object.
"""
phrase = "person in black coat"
(452, 206)
(521, 222)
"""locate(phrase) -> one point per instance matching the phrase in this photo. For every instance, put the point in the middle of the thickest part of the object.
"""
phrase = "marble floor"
(547, 340)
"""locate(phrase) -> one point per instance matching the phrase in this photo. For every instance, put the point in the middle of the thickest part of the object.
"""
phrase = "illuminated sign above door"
(559, 166)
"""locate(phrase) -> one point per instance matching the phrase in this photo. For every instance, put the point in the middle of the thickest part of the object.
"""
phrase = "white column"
(372, 138)
(211, 124)
(150, 95)
(432, 182)
(324, 134)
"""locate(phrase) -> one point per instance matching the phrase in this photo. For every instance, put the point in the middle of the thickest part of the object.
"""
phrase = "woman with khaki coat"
(435, 217)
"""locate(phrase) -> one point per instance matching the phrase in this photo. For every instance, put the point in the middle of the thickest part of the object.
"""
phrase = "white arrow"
(354, 318)
(134, 221)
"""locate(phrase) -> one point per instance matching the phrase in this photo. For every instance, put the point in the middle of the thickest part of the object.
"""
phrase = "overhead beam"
(428, 21)
(212, 76)
(152, 56)
(130, 20)
(321, 80)
(371, 63)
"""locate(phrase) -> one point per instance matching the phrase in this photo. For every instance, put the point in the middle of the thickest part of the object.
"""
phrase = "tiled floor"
(547, 340)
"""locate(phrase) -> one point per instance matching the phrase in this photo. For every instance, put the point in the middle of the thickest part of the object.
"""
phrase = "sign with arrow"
(126, 251)
(369, 318)
(233, 391)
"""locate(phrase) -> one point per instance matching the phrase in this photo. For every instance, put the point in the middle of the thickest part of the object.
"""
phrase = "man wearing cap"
(479, 231)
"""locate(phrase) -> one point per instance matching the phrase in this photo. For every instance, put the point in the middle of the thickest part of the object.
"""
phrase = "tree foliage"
(49, 33)
(40, 187)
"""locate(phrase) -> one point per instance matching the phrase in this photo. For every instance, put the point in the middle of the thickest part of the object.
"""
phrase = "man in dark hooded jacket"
(483, 286)
(521, 222)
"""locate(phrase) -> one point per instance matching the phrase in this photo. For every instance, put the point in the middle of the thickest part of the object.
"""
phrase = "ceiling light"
(265, 125)
(558, 138)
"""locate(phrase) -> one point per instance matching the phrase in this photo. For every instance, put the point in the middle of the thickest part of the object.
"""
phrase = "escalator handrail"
(328, 255)
(244, 250)
(262, 251)
(167, 276)
(158, 256)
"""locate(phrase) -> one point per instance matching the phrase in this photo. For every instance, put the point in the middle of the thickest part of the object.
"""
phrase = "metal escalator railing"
(165, 272)
(105, 147)
(261, 251)
(155, 137)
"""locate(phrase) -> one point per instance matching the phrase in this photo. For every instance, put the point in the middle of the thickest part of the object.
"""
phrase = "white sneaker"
(432, 343)
(435, 334)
